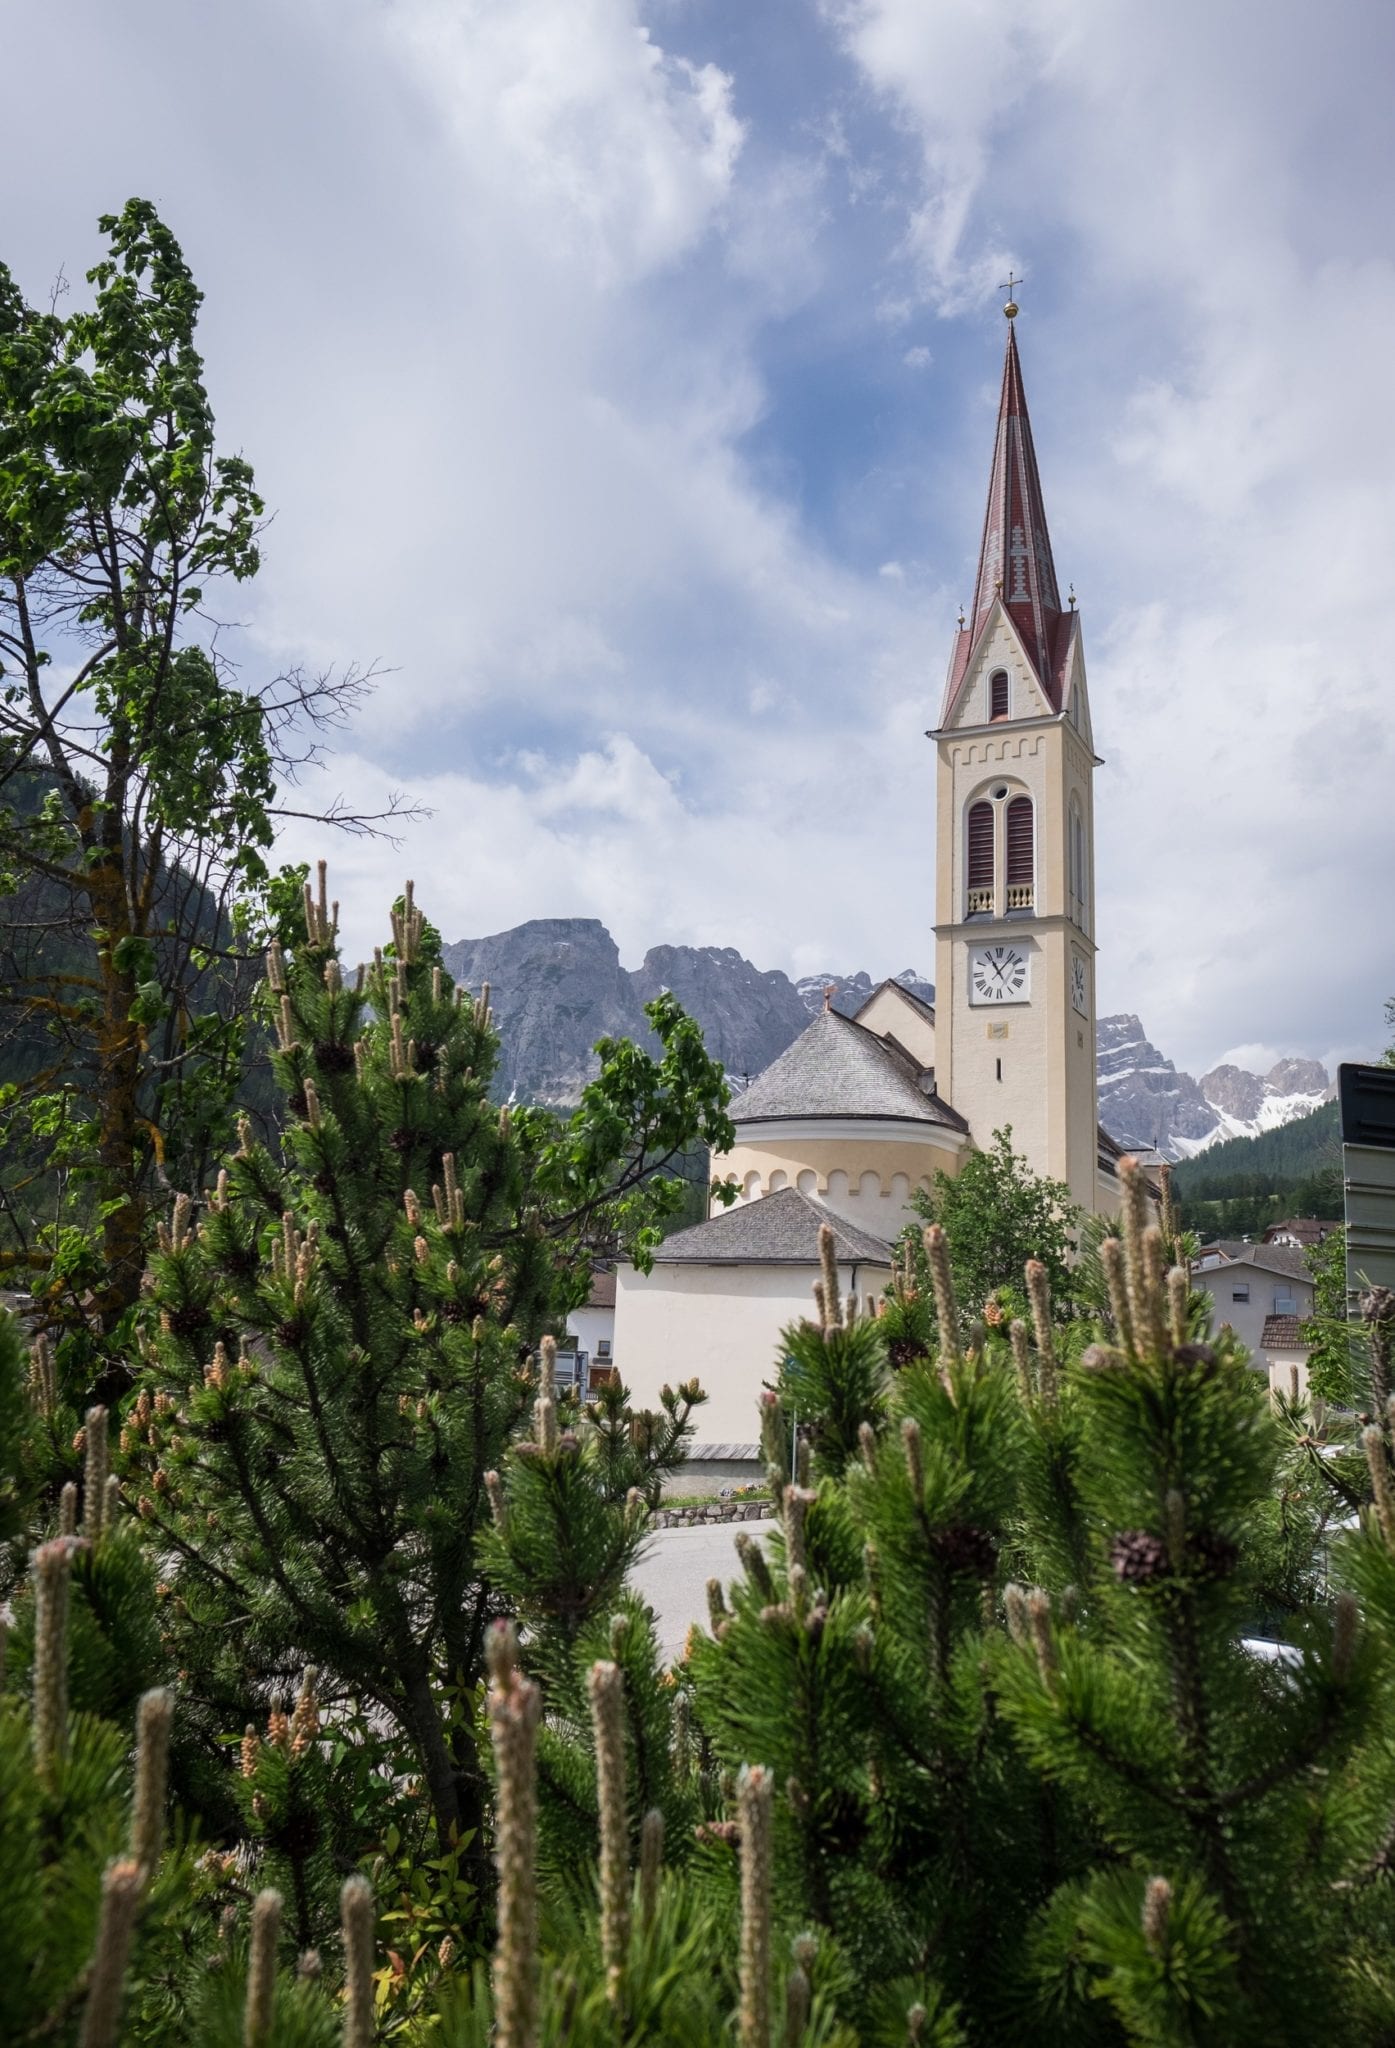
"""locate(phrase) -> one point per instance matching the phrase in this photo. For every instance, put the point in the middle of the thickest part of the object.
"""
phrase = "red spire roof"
(1014, 560)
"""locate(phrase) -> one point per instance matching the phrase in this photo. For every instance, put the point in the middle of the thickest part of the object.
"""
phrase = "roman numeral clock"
(999, 974)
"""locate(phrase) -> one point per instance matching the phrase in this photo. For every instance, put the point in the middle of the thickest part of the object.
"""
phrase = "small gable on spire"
(1016, 580)
(999, 680)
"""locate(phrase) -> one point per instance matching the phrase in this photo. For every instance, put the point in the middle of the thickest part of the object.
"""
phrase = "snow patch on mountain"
(850, 991)
(1147, 1103)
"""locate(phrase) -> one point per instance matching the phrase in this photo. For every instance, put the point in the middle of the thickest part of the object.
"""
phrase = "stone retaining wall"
(717, 1511)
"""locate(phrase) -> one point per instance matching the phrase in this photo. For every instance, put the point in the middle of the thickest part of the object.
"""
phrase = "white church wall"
(864, 1170)
(891, 1013)
(720, 1325)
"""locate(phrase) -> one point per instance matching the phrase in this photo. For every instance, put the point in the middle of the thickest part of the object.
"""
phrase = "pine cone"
(1138, 1557)
(332, 1057)
(965, 1548)
(189, 1320)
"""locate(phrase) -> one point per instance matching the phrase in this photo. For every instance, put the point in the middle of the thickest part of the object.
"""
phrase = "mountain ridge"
(558, 984)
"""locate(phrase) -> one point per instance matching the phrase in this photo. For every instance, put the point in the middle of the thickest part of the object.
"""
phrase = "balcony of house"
(1019, 896)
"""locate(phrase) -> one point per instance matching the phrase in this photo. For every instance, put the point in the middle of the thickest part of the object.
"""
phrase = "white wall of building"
(592, 1326)
(863, 1168)
(1269, 1294)
(719, 1325)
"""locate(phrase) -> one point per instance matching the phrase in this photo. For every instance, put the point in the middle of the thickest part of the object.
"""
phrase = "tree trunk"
(455, 1784)
(118, 1082)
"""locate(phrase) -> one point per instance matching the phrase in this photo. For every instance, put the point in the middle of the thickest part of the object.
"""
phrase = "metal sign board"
(1366, 1099)
(1366, 1104)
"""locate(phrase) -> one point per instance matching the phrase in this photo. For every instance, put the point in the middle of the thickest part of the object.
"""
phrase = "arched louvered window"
(998, 694)
(1021, 859)
(980, 856)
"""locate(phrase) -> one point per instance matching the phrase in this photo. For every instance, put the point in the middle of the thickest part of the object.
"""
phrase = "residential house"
(1301, 1232)
(592, 1329)
(1265, 1293)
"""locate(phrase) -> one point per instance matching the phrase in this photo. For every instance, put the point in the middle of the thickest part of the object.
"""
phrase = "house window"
(1021, 855)
(1284, 1302)
(980, 856)
(603, 1347)
(1240, 1293)
(998, 694)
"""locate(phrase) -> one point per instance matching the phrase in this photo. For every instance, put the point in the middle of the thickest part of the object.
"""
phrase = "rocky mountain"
(1146, 1102)
(748, 1017)
(558, 985)
(852, 990)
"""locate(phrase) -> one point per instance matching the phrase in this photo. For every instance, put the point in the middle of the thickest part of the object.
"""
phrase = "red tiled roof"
(1283, 1333)
(1304, 1230)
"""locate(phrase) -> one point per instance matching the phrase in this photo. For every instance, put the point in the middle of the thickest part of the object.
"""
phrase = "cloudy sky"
(622, 375)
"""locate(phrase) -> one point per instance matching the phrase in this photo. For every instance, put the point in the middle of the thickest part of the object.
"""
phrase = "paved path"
(673, 1573)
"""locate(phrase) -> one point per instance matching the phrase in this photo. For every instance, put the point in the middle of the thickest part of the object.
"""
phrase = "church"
(860, 1112)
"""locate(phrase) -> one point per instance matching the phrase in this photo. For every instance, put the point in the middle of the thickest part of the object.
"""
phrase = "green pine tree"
(1029, 1771)
(344, 1356)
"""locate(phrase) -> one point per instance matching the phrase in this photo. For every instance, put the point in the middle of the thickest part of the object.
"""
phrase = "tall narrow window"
(998, 694)
(980, 857)
(1021, 863)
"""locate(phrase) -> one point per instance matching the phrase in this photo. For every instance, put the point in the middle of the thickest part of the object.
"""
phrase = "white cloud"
(507, 300)
(554, 838)
(1255, 1057)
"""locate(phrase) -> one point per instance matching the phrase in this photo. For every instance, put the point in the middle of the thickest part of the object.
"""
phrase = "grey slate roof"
(778, 1230)
(840, 1068)
(1268, 1258)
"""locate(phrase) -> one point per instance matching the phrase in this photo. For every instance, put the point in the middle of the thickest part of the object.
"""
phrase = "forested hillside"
(1235, 1189)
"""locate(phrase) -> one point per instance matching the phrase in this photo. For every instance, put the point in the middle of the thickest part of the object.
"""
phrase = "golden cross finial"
(1010, 309)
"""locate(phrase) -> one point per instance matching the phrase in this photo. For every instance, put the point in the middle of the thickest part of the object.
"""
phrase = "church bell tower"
(1015, 918)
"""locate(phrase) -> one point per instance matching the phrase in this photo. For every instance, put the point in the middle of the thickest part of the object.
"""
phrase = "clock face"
(998, 974)
(1079, 993)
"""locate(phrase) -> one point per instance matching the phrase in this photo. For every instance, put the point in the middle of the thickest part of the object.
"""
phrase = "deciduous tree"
(138, 776)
